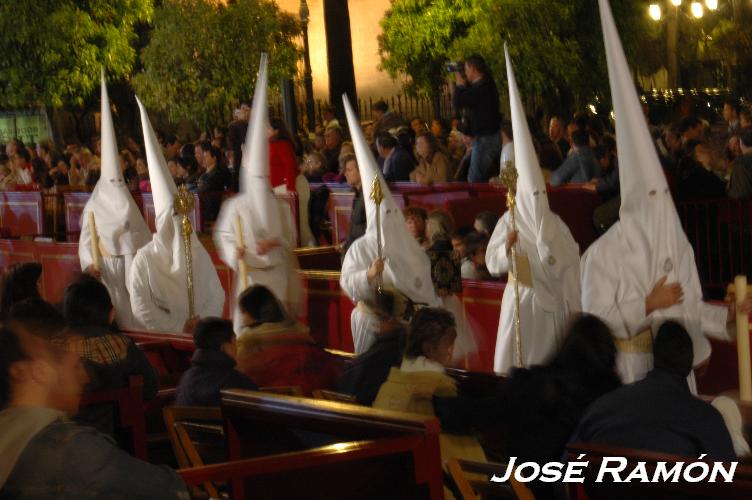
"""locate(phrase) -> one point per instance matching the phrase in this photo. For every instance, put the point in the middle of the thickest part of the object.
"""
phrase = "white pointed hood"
(264, 221)
(649, 225)
(532, 199)
(167, 239)
(407, 265)
(121, 227)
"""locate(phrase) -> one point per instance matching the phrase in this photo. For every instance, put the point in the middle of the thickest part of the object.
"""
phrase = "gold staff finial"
(508, 178)
(377, 195)
(184, 204)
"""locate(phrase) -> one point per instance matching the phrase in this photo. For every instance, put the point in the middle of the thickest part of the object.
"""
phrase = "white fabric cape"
(158, 275)
(620, 269)
(550, 248)
(407, 266)
(120, 226)
(262, 216)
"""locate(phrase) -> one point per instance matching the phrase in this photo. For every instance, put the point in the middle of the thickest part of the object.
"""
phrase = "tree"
(416, 41)
(52, 49)
(202, 56)
(557, 45)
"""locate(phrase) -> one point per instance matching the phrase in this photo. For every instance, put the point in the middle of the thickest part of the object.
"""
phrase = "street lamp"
(697, 10)
(655, 11)
(676, 3)
(711, 4)
(307, 78)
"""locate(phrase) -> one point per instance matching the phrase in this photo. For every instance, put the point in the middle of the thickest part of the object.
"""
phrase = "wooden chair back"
(130, 411)
(471, 488)
(334, 396)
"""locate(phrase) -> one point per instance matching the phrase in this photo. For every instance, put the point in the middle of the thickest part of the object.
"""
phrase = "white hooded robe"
(546, 307)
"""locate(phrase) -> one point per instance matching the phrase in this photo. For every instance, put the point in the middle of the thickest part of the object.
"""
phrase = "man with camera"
(476, 94)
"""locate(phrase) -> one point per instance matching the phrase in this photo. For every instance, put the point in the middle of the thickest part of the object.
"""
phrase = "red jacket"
(283, 165)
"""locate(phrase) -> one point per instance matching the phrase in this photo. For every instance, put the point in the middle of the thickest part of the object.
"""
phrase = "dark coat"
(357, 219)
(211, 371)
(657, 413)
(397, 166)
(480, 101)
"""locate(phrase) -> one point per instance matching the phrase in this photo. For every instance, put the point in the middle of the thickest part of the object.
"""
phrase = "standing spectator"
(433, 164)
(171, 147)
(313, 166)
(731, 115)
(201, 148)
(212, 182)
(740, 183)
(397, 162)
(358, 214)
(417, 125)
(556, 134)
(236, 132)
(283, 165)
(581, 166)
(476, 93)
(386, 119)
(332, 147)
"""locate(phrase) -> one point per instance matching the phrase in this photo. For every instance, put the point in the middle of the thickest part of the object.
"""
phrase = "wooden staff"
(96, 255)
(242, 268)
(509, 179)
(742, 340)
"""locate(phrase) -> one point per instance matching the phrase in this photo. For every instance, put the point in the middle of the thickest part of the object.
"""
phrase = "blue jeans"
(484, 161)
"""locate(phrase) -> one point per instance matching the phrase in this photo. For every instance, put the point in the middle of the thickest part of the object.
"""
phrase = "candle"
(742, 340)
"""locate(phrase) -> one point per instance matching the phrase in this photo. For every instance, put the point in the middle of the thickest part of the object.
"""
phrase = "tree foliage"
(52, 49)
(202, 57)
(556, 45)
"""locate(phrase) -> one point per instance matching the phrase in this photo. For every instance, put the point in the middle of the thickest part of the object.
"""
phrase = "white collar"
(421, 364)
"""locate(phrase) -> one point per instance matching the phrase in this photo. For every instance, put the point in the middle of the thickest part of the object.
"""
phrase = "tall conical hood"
(532, 200)
(640, 171)
(654, 243)
(255, 185)
(163, 187)
(120, 225)
(407, 267)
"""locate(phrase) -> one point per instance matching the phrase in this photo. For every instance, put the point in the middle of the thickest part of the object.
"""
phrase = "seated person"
(421, 375)
(364, 376)
(274, 350)
(659, 413)
(212, 365)
(580, 166)
(485, 223)
(45, 455)
(474, 262)
(539, 407)
(415, 218)
(458, 240)
(19, 282)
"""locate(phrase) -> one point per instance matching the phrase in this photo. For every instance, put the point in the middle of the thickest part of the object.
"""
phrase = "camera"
(455, 67)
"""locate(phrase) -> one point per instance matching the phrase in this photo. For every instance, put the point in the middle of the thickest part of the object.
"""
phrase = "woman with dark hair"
(433, 165)
(20, 282)
(275, 350)
(283, 166)
(539, 407)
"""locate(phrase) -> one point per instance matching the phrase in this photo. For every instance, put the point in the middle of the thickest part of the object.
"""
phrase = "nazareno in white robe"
(158, 275)
(120, 226)
(620, 269)
(278, 271)
(546, 308)
(407, 267)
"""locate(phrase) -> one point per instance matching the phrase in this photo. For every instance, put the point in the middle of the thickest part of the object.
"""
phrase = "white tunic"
(546, 307)
(160, 300)
(114, 274)
(277, 270)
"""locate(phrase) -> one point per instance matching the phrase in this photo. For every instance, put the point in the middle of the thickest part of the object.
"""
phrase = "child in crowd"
(212, 366)
(474, 262)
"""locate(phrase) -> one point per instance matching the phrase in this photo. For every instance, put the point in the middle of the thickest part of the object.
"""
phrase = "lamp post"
(307, 79)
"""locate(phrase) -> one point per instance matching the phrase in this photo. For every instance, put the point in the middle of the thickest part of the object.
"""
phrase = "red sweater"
(283, 166)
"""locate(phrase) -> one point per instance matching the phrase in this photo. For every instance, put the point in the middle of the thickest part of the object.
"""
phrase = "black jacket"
(657, 413)
(357, 219)
(480, 100)
(398, 166)
(211, 371)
